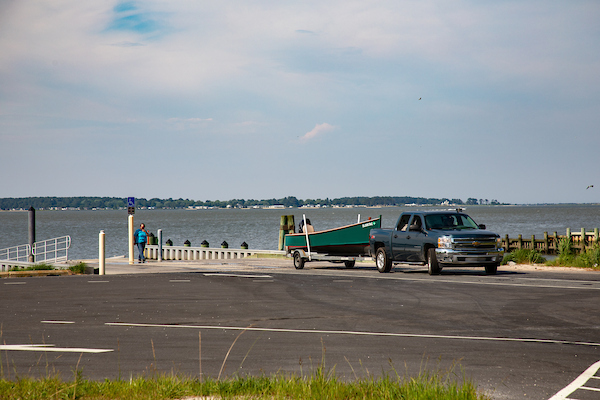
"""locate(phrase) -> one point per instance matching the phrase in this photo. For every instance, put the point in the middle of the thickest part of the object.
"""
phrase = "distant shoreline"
(462, 206)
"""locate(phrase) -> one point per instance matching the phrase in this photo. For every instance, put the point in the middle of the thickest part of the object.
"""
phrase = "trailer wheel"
(432, 263)
(491, 269)
(382, 261)
(349, 263)
(298, 260)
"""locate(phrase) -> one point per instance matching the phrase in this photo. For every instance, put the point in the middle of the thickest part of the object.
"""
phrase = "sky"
(265, 99)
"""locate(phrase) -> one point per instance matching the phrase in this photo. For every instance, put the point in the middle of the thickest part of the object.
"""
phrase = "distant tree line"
(88, 203)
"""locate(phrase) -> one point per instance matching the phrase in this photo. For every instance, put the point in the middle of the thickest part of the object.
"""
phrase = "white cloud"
(318, 130)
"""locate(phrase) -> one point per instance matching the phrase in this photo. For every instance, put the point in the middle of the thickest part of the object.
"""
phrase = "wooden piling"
(282, 230)
(286, 225)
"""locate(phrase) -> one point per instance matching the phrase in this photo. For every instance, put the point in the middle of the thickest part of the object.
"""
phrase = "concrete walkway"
(121, 266)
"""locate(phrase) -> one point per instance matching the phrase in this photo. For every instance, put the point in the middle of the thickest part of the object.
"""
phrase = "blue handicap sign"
(131, 202)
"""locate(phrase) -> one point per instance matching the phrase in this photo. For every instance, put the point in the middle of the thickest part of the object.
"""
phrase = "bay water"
(260, 227)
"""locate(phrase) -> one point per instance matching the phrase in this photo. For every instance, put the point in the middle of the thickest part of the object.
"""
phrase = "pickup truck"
(437, 239)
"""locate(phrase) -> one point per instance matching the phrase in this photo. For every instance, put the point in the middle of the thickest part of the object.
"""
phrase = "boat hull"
(350, 240)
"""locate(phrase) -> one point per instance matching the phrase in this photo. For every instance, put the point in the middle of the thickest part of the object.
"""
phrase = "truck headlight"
(445, 242)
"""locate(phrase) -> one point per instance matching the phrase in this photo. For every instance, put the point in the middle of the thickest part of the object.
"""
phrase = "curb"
(21, 274)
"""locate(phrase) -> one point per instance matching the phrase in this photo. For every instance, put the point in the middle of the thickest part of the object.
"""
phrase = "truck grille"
(485, 243)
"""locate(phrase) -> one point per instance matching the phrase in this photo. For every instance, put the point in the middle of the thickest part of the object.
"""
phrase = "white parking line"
(578, 383)
(57, 322)
(490, 282)
(179, 280)
(238, 275)
(50, 347)
(357, 333)
(14, 283)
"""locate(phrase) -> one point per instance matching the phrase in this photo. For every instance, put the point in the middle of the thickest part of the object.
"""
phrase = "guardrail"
(203, 253)
(16, 253)
(52, 250)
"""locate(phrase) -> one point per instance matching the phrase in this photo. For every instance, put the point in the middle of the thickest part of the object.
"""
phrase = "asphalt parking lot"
(523, 333)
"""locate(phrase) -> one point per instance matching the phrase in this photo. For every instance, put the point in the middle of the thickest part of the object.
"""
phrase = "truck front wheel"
(298, 260)
(383, 262)
(491, 269)
(432, 263)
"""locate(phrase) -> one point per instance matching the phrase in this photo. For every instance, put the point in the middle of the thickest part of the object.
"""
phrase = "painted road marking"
(57, 322)
(489, 280)
(98, 281)
(578, 383)
(238, 275)
(14, 283)
(50, 347)
(179, 280)
(357, 333)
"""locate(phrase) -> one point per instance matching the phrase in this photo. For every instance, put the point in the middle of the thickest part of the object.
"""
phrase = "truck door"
(399, 238)
(414, 240)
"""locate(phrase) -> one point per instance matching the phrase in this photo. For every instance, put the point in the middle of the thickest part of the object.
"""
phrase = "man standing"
(140, 237)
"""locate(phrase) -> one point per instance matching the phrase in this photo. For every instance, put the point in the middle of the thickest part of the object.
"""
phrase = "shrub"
(524, 256)
(78, 268)
(589, 259)
(565, 252)
(36, 267)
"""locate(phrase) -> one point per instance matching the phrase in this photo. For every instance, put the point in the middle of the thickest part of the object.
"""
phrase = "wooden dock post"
(507, 246)
(282, 230)
(533, 242)
(583, 240)
(546, 243)
(555, 242)
(596, 236)
(286, 225)
(520, 241)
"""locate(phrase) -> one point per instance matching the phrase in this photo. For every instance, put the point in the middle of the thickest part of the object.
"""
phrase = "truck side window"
(403, 223)
(416, 224)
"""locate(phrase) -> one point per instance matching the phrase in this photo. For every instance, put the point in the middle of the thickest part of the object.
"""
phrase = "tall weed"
(524, 256)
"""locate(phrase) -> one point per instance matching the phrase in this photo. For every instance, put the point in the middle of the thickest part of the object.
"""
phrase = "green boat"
(350, 240)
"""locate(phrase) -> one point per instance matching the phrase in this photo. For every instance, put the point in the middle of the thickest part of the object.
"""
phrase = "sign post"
(130, 211)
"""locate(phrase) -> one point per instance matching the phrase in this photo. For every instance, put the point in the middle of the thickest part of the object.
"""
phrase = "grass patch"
(567, 257)
(320, 385)
(36, 267)
(524, 256)
(78, 268)
(267, 255)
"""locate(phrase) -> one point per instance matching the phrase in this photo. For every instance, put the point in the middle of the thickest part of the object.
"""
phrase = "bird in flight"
(419, 98)
(589, 187)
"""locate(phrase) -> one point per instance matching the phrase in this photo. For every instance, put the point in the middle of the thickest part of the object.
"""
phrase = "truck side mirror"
(481, 226)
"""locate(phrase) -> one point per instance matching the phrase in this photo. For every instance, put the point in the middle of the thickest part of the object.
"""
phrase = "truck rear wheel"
(382, 261)
(491, 269)
(349, 263)
(433, 266)
(298, 260)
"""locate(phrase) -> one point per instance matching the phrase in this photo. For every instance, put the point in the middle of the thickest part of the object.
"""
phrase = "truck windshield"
(449, 222)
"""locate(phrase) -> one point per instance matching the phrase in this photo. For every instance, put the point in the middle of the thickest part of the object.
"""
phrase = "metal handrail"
(54, 250)
(16, 253)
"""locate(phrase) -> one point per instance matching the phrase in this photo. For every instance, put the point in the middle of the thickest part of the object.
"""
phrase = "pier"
(549, 244)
